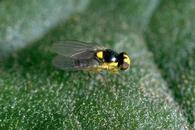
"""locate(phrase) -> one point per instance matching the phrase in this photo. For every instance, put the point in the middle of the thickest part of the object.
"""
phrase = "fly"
(77, 55)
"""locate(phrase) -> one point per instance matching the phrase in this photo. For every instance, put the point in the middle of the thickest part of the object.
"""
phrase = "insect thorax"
(107, 56)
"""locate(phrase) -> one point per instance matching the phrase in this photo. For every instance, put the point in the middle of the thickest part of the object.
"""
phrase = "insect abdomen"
(84, 63)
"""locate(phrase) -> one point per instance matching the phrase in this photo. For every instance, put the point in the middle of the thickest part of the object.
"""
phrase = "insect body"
(75, 55)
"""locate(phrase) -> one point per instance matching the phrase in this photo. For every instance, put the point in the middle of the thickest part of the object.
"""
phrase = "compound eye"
(124, 66)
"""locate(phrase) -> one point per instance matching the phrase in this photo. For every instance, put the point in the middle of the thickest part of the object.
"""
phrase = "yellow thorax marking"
(127, 59)
(111, 65)
(99, 54)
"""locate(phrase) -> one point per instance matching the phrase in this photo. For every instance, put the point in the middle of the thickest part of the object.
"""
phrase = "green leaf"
(26, 21)
(172, 32)
(36, 95)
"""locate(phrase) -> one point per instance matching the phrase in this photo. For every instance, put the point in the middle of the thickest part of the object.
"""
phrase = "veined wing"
(76, 49)
(66, 63)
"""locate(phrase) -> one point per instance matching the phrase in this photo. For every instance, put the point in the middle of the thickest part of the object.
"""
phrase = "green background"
(157, 92)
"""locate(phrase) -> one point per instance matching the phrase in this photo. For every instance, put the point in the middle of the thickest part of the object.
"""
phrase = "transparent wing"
(76, 49)
(66, 63)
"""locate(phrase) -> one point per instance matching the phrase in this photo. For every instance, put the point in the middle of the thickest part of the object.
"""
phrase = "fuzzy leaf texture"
(150, 95)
